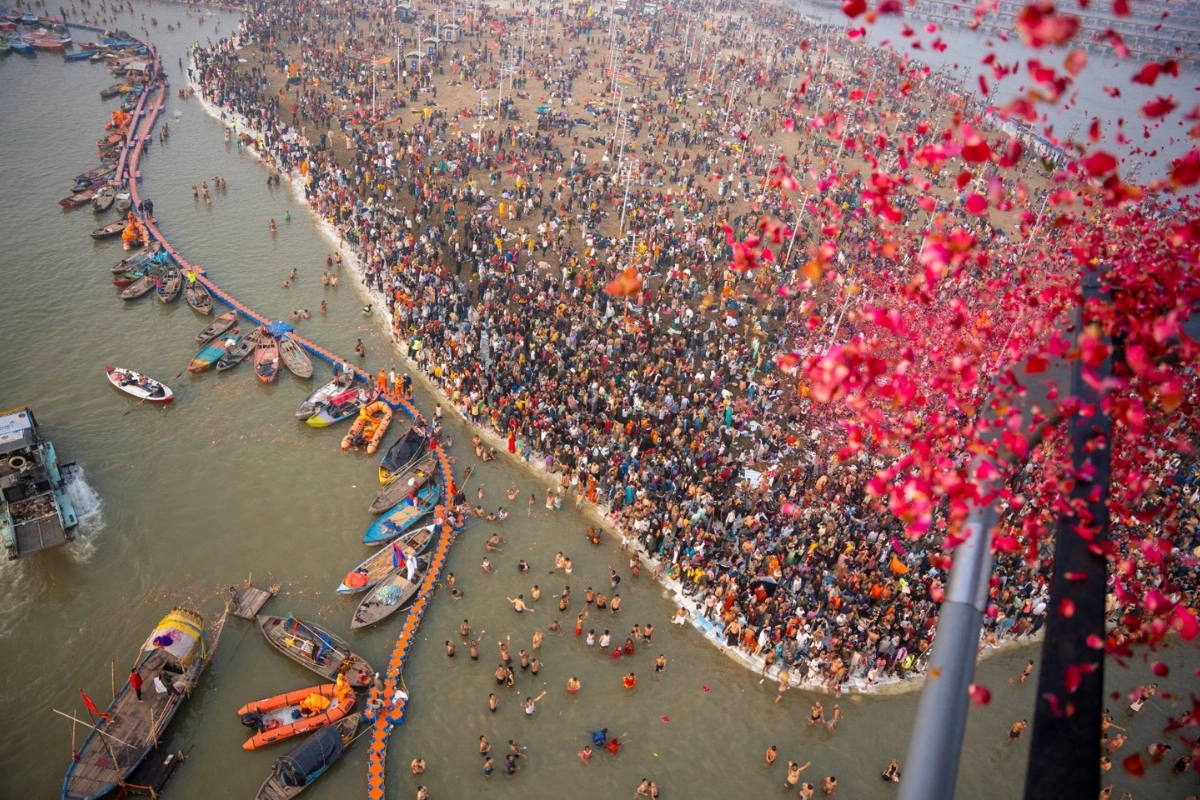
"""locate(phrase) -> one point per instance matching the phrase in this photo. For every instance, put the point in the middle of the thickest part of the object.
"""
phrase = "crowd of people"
(560, 268)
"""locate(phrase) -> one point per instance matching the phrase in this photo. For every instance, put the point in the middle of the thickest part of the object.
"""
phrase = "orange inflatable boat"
(370, 426)
(286, 715)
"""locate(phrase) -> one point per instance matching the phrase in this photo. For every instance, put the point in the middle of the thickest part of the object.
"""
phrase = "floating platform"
(248, 601)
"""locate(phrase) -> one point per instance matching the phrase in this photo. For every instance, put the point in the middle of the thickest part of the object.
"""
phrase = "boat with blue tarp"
(403, 515)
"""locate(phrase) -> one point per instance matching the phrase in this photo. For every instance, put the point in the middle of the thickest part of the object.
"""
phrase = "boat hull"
(402, 516)
(276, 710)
(313, 402)
(116, 375)
(315, 648)
(211, 353)
(379, 564)
(92, 773)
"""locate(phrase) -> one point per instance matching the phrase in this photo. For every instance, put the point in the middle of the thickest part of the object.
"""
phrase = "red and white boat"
(137, 385)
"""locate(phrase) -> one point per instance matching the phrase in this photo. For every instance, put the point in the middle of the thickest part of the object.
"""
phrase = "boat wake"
(89, 511)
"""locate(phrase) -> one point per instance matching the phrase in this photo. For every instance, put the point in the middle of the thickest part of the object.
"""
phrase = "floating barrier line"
(392, 701)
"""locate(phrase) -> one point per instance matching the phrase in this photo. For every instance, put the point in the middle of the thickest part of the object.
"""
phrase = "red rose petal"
(980, 695)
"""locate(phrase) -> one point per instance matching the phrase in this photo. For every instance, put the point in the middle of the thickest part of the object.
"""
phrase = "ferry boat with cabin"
(35, 511)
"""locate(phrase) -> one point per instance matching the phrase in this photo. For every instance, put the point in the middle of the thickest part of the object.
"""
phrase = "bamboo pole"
(74, 718)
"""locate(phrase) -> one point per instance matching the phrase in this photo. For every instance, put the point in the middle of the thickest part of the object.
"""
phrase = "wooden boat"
(407, 450)
(110, 230)
(142, 286)
(221, 324)
(76, 199)
(403, 515)
(20, 46)
(176, 652)
(212, 352)
(97, 185)
(123, 203)
(311, 646)
(197, 295)
(237, 352)
(111, 91)
(340, 406)
(171, 284)
(386, 559)
(138, 265)
(412, 479)
(127, 278)
(103, 200)
(281, 717)
(266, 356)
(138, 385)
(294, 358)
(5, 47)
(304, 763)
(390, 595)
(83, 55)
(369, 429)
(47, 43)
(95, 173)
(325, 391)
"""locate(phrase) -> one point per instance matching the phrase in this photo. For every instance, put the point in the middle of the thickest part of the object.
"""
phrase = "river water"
(181, 501)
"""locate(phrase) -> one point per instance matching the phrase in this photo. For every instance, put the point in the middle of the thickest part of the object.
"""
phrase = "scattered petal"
(980, 695)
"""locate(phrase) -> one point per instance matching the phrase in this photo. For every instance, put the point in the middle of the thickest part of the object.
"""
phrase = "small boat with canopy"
(307, 761)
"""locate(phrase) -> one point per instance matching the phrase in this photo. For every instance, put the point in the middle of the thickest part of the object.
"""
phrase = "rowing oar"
(138, 403)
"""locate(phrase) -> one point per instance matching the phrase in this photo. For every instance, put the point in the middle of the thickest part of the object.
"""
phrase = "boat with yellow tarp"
(170, 663)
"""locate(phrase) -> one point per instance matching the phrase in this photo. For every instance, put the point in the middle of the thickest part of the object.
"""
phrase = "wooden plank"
(250, 601)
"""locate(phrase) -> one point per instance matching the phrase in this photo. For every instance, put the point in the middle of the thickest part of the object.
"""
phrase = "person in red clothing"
(135, 681)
